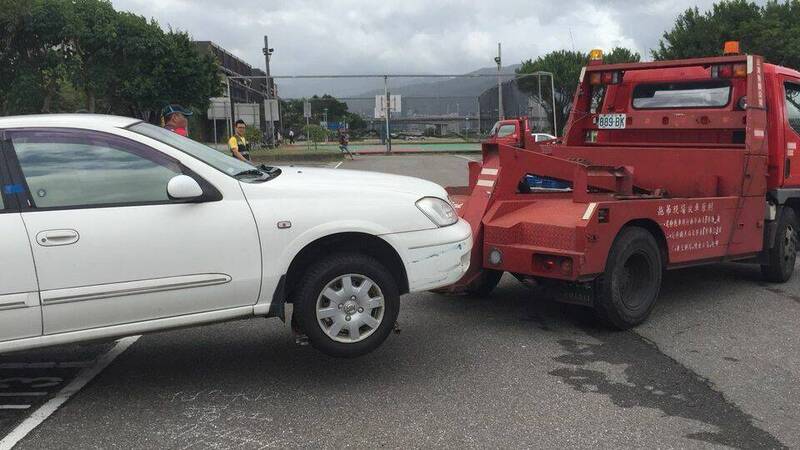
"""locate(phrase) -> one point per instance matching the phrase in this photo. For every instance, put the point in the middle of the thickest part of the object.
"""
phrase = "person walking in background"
(174, 118)
(237, 144)
(291, 136)
(344, 141)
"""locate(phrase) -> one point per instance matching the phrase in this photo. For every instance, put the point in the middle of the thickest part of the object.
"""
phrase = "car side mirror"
(184, 187)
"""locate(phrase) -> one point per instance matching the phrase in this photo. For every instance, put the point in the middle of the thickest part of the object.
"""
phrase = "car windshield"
(218, 160)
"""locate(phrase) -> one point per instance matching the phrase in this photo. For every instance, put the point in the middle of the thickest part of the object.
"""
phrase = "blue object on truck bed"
(535, 181)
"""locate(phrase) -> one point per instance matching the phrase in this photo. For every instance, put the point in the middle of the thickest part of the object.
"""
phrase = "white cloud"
(412, 36)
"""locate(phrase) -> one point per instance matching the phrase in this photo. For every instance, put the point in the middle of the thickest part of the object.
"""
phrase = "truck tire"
(783, 253)
(347, 304)
(485, 283)
(627, 291)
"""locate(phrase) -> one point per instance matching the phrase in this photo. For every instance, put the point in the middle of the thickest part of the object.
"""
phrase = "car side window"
(506, 130)
(793, 105)
(85, 168)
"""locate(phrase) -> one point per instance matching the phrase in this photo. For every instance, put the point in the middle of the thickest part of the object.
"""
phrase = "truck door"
(20, 310)
(791, 134)
(507, 133)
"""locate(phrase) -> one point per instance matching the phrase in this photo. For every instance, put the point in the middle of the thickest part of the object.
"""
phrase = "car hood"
(337, 200)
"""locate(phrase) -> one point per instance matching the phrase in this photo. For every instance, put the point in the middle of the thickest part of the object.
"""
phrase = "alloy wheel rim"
(350, 308)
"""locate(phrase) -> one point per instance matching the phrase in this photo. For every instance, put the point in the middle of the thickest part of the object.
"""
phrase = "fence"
(461, 106)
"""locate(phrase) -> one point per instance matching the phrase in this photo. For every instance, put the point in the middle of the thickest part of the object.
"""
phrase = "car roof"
(89, 121)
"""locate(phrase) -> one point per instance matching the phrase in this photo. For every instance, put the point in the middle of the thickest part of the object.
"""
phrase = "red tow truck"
(662, 165)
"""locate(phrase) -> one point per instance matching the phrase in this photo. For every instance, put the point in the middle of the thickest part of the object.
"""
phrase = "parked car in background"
(112, 226)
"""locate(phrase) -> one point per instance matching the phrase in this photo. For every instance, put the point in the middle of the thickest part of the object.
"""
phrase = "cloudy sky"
(411, 36)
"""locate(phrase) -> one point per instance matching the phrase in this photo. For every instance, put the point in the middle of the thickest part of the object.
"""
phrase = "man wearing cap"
(175, 119)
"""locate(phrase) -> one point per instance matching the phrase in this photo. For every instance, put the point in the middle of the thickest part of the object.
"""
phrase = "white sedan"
(112, 227)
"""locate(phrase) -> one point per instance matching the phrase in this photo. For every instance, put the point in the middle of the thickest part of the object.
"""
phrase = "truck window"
(506, 130)
(692, 94)
(793, 105)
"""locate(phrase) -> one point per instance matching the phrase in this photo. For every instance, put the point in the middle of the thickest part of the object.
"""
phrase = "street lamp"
(498, 59)
(270, 85)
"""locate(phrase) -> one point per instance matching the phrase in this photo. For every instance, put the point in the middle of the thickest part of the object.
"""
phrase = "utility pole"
(267, 54)
(499, 60)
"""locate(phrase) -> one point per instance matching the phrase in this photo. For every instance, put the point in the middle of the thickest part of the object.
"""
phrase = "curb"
(339, 156)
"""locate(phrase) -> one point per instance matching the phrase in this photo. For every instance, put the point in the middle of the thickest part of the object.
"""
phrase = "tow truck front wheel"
(783, 254)
(347, 305)
(485, 283)
(627, 291)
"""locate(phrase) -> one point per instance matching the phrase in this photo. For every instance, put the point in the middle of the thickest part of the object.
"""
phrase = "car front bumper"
(434, 258)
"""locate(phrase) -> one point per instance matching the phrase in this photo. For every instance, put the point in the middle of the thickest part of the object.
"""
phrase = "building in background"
(247, 95)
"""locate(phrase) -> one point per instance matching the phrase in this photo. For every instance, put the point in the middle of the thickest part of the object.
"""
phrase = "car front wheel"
(347, 304)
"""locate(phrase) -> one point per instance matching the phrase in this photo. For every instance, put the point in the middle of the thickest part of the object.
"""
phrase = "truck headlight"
(439, 211)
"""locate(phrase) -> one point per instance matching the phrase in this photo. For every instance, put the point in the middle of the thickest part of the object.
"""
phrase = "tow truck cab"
(512, 131)
(667, 164)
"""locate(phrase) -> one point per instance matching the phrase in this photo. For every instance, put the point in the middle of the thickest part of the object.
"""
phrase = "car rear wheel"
(627, 291)
(783, 253)
(347, 305)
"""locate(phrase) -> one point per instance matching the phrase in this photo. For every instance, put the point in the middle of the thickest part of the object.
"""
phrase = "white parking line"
(44, 411)
(337, 166)
(22, 394)
(464, 157)
(47, 365)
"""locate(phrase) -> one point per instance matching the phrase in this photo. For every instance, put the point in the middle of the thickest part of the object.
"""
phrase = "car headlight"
(439, 211)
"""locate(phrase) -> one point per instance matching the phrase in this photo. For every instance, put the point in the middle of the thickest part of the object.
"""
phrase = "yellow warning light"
(596, 55)
(731, 48)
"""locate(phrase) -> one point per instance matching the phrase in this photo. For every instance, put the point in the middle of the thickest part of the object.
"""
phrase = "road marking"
(47, 365)
(14, 407)
(464, 157)
(22, 394)
(485, 183)
(337, 166)
(84, 377)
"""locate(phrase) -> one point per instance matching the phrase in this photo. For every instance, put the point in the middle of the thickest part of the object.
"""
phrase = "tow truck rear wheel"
(783, 253)
(627, 291)
(485, 283)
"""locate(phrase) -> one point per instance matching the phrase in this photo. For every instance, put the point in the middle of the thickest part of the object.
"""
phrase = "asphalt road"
(717, 364)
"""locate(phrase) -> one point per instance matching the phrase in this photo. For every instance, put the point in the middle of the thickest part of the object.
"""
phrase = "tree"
(566, 67)
(315, 133)
(60, 55)
(292, 111)
(771, 30)
(92, 38)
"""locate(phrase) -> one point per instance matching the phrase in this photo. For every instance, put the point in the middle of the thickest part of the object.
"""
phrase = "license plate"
(611, 121)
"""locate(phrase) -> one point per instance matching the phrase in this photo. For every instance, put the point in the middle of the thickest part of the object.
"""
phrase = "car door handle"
(52, 238)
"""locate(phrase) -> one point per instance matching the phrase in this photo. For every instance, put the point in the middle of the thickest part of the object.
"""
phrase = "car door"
(112, 248)
(20, 311)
